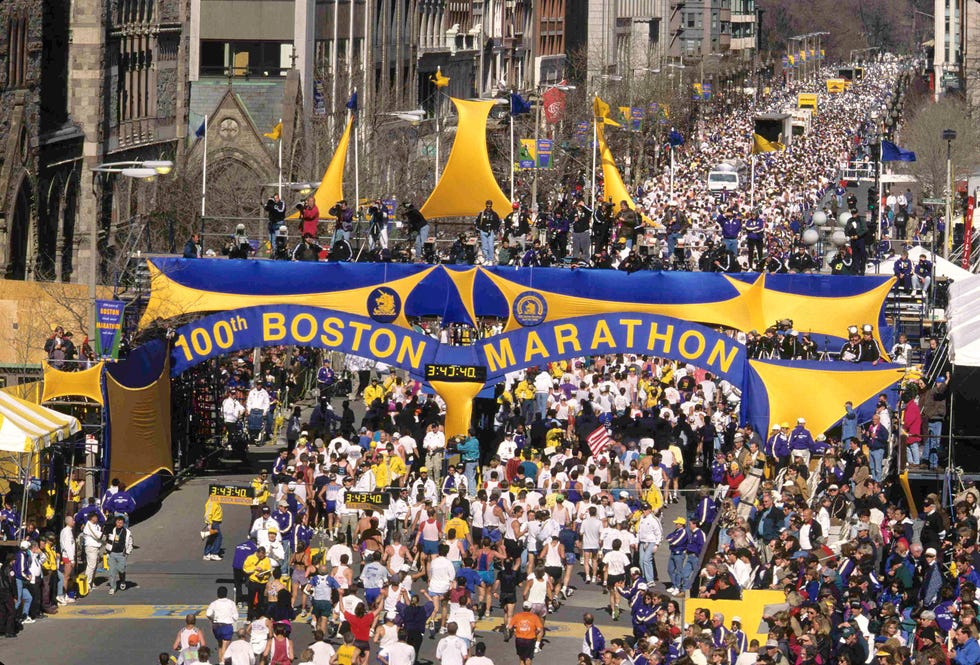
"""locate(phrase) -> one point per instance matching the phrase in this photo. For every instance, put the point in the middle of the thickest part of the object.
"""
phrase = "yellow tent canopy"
(86, 383)
(467, 182)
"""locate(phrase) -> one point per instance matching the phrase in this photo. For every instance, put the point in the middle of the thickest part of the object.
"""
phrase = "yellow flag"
(276, 132)
(761, 144)
(438, 79)
(601, 111)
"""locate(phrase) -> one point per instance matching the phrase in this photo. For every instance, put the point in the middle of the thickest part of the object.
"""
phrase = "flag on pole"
(352, 102)
(276, 132)
(518, 104)
(599, 440)
(601, 111)
(438, 79)
(675, 138)
(760, 144)
(202, 129)
(554, 105)
(892, 153)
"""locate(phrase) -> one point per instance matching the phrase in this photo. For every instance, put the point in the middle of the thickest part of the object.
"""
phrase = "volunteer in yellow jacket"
(258, 568)
(213, 516)
(260, 493)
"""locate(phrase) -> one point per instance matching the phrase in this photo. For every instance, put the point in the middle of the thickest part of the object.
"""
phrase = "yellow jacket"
(213, 512)
(397, 466)
(524, 390)
(50, 562)
(382, 474)
(373, 392)
(257, 570)
(260, 491)
(655, 498)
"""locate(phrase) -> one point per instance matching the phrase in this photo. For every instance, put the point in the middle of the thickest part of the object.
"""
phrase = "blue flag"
(352, 102)
(892, 153)
(200, 130)
(518, 104)
(675, 138)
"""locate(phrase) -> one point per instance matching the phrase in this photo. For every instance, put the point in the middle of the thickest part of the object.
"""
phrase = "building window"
(134, 67)
(254, 59)
(17, 51)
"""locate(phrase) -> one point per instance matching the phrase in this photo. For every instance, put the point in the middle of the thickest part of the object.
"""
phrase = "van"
(727, 176)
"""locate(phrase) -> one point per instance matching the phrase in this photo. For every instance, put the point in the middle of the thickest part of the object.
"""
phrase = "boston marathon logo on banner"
(384, 304)
(530, 309)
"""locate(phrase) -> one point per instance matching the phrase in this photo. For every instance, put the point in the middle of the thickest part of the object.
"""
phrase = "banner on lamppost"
(968, 232)
(544, 151)
(108, 328)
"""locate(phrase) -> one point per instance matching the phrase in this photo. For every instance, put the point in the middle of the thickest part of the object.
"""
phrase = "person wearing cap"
(527, 630)
(777, 448)
(931, 576)
(285, 519)
(677, 542)
(649, 534)
(870, 351)
(801, 441)
(213, 516)
(119, 545)
(852, 349)
(695, 545)
(741, 640)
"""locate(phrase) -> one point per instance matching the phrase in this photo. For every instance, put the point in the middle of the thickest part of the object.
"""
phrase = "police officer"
(856, 230)
(851, 351)
(755, 239)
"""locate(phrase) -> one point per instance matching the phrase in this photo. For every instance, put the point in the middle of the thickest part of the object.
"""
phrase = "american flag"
(599, 440)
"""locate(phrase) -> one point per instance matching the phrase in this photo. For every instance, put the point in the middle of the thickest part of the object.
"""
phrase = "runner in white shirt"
(615, 562)
(442, 573)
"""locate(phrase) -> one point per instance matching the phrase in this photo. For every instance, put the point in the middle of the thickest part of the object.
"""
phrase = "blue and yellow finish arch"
(548, 314)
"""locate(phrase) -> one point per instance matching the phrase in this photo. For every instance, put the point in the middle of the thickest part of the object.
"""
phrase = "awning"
(964, 322)
(25, 427)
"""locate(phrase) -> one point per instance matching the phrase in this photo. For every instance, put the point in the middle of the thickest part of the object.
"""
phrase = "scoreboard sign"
(232, 494)
(366, 500)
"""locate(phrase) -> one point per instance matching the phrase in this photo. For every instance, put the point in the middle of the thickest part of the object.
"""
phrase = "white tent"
(963, 316)
(27, 427)
(943, 267)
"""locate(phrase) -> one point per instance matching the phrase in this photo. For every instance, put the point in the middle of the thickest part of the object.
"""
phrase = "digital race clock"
(456, 373)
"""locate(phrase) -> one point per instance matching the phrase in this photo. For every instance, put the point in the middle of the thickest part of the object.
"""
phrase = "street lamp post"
(948, 135)
(141, 170)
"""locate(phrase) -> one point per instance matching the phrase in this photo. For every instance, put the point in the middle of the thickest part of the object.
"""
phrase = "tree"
(923, 135)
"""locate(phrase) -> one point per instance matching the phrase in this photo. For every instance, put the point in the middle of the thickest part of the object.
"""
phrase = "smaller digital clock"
(456, 373)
